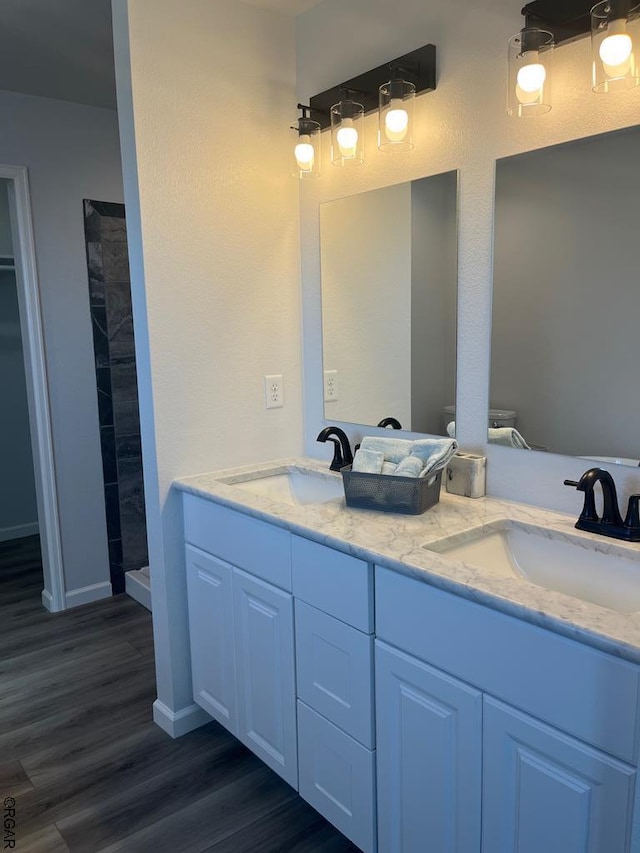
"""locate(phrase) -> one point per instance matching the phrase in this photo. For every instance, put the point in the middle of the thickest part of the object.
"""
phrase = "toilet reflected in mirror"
(389, 289)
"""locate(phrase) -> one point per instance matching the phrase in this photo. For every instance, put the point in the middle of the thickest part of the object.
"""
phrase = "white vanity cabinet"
(495, 735)
(241, 629)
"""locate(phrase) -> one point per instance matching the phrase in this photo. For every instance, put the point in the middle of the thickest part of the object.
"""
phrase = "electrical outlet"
(330, 386)
(274, 391)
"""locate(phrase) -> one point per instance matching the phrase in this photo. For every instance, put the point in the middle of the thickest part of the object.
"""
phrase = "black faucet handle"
(573, 483)
(632, 521)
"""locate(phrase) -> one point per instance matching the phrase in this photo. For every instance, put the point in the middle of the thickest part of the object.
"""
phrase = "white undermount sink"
(573, 566)
(297, 486)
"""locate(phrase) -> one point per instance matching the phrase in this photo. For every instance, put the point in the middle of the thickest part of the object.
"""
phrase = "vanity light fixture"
(391, 89)
(347, 133)
(307, 150)
(529, 85)
(395, 115)
(614, 26)
(615, 45)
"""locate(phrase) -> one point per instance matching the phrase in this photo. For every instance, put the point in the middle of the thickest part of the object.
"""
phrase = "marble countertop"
(395, 541)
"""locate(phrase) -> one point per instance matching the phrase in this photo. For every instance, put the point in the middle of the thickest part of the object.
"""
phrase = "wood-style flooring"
(88, 768)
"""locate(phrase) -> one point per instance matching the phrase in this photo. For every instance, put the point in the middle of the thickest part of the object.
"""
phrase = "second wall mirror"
(566, 297)
(389, 291)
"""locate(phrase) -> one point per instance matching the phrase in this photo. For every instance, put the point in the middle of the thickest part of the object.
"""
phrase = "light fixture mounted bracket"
(568, 20)
(417, 67)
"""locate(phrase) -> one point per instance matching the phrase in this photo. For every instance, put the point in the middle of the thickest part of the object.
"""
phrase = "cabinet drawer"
(578, 689)
(337, 777)
(333, 582)
(257, 547)
(334, 668)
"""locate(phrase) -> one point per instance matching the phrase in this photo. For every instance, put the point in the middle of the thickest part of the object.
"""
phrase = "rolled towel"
(389, 468)
(508, 436)
(368, 461)
(451, 429)
(434, 453)
(410, 467)
(394, 449)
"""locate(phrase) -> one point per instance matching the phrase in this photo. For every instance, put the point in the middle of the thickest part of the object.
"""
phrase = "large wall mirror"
(389, 288)
(566, 297)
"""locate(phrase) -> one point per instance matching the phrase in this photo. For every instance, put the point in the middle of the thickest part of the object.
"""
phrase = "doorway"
(39, 504)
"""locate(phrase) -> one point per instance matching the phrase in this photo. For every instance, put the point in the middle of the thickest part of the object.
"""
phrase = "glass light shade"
(530, 73)
(347, 134)
(307, 150)
(615, 47)
(395, 116)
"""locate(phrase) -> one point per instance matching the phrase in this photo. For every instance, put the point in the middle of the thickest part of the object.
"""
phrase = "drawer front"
(333, 582)
(337, 776)
(580, 690)
(334, 667)
(259, 548)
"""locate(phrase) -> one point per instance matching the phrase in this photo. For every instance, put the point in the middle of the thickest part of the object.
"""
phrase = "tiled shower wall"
(115, 362)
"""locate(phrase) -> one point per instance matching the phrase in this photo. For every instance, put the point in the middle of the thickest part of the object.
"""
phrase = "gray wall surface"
(72, 152)
(434, 277)
(17, 489)
(566, 302)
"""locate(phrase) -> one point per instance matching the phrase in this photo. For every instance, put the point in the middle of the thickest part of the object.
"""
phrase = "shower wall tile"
(116, 385)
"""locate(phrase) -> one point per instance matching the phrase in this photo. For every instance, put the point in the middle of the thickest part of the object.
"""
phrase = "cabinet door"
(545, 791)
(266, 673)
(210, 598)
(429, 742)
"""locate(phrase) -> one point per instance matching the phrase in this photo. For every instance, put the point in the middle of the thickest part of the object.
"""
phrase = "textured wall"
(205, 99)
(72, 152)
(463, 125)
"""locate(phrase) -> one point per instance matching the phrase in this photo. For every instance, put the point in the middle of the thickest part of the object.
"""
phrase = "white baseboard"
(178, 723)
(87, 594)
(47, 602)
(138, 586)
(19, 532)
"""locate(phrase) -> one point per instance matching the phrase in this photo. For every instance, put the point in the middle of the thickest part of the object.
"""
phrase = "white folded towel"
(508, 436)
(394, 449)
(389, 468)
(434, 453)
(411, 466)
(368, 461)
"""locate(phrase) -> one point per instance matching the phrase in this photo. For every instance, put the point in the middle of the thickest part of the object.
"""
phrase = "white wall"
(18, 510)
(566, 295)
(366, 304)
(205, 99)
(463, 125)
(72, 152)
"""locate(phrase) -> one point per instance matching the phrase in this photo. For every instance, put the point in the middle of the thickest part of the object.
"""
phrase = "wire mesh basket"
(387, 493)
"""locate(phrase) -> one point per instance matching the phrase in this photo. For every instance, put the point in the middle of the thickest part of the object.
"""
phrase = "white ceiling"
(58, 49)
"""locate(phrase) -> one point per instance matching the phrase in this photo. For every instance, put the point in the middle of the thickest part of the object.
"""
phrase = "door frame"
(53, 594)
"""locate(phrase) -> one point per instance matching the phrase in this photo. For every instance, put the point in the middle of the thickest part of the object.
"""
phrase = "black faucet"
(342, 449)
(390, 422)
(611, 523)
